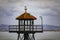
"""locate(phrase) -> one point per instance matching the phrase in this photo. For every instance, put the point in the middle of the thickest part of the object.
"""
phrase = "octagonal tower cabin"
(26, 21)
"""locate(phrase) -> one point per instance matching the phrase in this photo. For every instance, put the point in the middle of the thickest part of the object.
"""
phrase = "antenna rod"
(25, 9)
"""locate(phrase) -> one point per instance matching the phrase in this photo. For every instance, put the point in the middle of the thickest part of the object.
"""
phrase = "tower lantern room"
(27, 20)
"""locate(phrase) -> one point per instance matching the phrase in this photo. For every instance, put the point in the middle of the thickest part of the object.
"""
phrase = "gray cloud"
(9, 1)
(5, 12)
(12, 8)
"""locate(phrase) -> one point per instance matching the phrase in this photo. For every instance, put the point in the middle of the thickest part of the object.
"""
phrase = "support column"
(32, 25)
(19, 26)
(26, 36)
(29, 25)
(18, 36)
(24, 25)
(33, 37)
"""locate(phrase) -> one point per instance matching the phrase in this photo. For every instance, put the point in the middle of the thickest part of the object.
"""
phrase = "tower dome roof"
(26, 15)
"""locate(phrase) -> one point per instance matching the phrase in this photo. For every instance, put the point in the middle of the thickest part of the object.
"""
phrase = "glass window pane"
(26, 28)
(28, 22)
(21, 28)
(25, 22)
(21, 22)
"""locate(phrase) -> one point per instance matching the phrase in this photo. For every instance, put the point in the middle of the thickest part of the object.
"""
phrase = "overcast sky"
(49, 9)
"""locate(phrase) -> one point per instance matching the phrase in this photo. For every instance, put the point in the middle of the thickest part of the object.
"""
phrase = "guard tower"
(25, 26)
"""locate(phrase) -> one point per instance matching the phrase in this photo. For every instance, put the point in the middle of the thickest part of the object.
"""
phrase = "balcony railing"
(16, 28)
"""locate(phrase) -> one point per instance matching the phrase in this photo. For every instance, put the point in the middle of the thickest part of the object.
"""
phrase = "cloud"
(50, 12)
(10, 1)
(5, 12)
(11, 8)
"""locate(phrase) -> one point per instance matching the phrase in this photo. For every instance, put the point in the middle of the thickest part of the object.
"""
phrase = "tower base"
(26, 36)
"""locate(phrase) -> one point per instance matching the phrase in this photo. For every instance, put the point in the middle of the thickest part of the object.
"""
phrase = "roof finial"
(25, 9)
